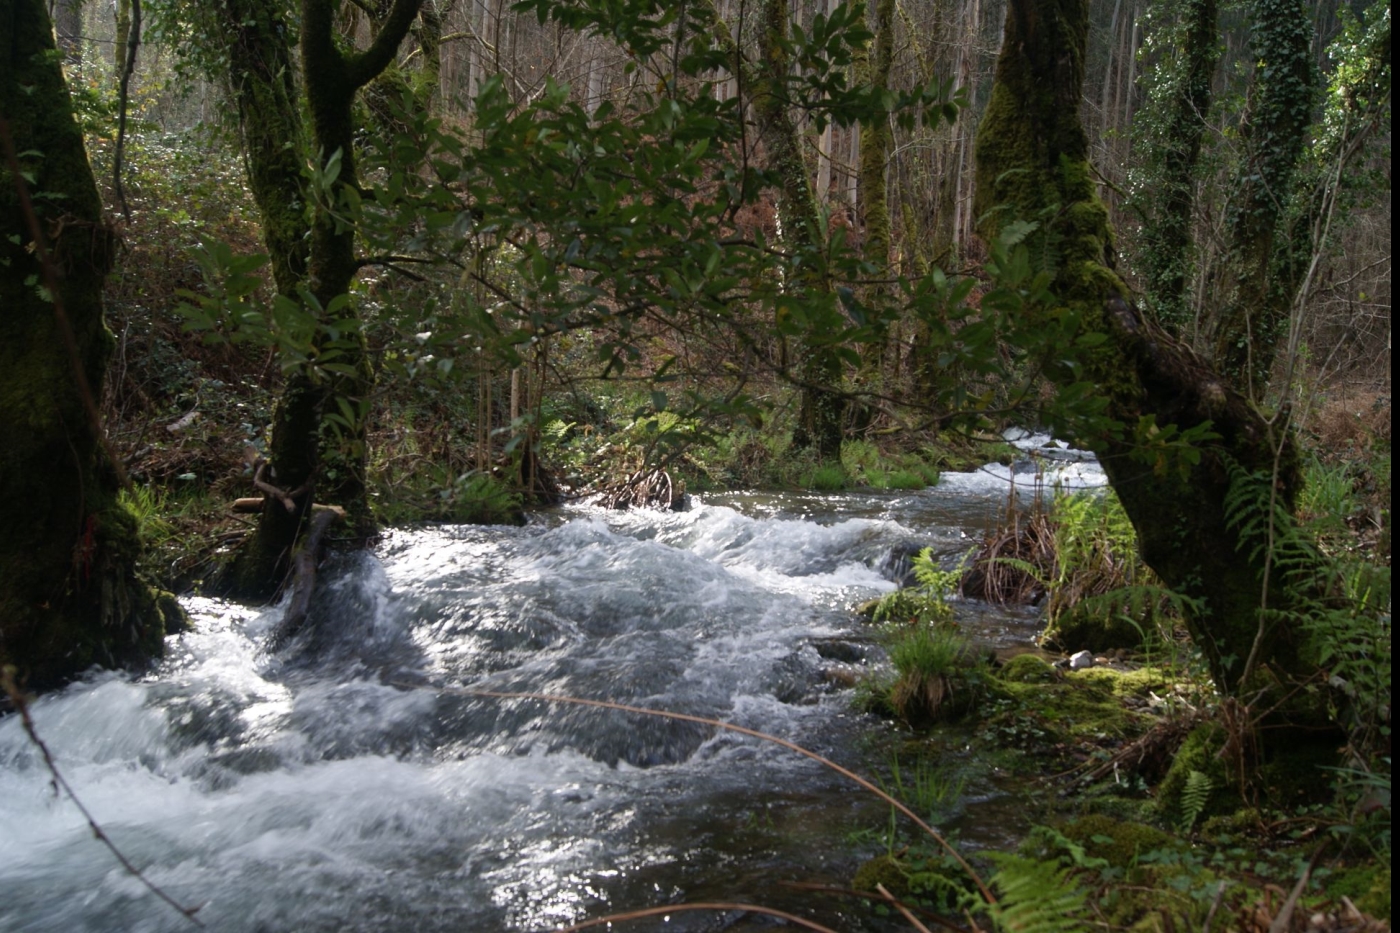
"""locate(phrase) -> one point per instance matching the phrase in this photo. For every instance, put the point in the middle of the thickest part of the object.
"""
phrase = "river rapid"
(331, 786)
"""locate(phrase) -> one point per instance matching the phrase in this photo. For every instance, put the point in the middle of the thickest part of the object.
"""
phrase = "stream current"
(329, 787)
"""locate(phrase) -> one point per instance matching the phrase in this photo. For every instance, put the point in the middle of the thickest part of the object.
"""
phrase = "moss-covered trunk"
(1174, 124)
(69, 593)
(818, 366)
(1032, 163)
(318, 439)
(262, 77)
(1256, 286)
(872, 183)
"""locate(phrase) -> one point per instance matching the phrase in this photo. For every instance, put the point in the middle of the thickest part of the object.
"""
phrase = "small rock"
(1081, 660)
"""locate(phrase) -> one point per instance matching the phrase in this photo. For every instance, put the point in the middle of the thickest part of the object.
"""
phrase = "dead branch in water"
(304, 565)
(653, 490)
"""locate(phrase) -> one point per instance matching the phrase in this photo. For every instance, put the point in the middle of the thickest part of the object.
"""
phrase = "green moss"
(1085, 707)
(1118, 843)
(1201, 752)
(1028, 669)
(1367, 886)
(882, 870)
(1081, 630)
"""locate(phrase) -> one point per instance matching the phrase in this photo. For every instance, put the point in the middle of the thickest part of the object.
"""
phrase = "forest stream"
(330, 787)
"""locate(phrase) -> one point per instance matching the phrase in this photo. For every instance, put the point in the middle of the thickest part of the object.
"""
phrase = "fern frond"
(1025, 566)
(1037, 897)
(1194, 797)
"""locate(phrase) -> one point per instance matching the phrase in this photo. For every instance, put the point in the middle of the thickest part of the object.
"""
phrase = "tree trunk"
(1179, 99)
(1255, 301)
(1032, 163)
(318, 438)
(69, 594)
(818, 368)
(263, 80)
(123, 20)
(331, 79)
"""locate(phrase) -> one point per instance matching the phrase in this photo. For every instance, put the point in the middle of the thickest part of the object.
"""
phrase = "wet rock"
(898, 564)
(840, 649)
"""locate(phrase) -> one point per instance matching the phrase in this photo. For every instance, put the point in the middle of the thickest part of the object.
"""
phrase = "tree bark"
(818, 367)
(69, 593)
(1032, 163)
(1180, 101)
(1254, 293)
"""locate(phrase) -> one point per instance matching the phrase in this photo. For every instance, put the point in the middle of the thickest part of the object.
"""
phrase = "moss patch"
(1028, 669)
(1117, 842)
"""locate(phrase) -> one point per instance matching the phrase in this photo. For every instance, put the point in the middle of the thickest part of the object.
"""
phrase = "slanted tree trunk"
(69, 593)
(1032, 163)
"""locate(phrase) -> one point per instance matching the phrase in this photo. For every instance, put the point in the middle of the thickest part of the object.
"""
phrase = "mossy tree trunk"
(1256, 287)
(262, 77)
(872, 183)
(69, 594)
(1174, 121)
(332, 78)
(1032, 163)
(318, 445)
(818, 366)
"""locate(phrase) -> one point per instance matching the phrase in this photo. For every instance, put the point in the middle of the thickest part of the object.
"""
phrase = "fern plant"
(1343, 613)
(1194, 797)
(1037, 896)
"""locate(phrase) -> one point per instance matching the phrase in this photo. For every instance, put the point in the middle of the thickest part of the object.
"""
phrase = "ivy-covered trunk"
(69, 593)
(332, 78)
(1193, 517)
(1173, 125)
(1257, 284)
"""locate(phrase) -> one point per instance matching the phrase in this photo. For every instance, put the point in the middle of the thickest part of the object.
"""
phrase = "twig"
(7, 681)
(677, 908)
(985, 891)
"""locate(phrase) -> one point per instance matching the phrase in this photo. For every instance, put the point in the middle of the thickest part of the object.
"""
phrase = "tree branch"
(364, 67)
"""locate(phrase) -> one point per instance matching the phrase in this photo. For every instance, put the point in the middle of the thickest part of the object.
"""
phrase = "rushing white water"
(330, 787)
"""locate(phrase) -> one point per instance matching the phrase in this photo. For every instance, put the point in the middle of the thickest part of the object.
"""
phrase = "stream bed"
(332, 786)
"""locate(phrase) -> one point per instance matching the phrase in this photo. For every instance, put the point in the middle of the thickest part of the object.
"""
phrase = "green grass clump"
(903, 479)
(828, 477)
(934, 673)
